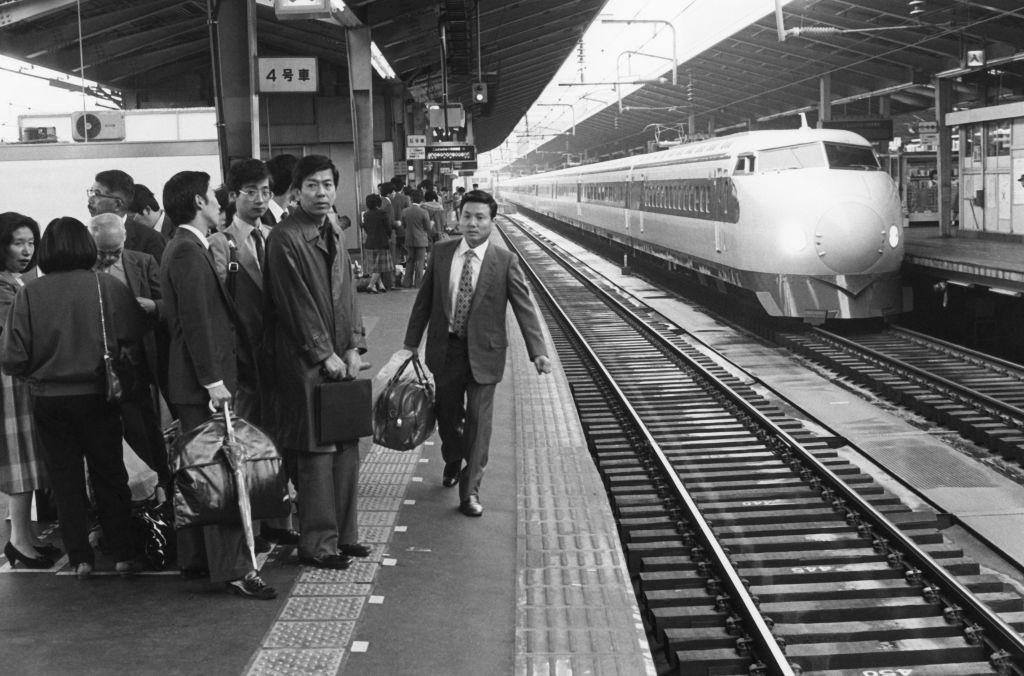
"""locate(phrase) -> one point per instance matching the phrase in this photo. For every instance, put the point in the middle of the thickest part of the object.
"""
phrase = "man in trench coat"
(316, 333)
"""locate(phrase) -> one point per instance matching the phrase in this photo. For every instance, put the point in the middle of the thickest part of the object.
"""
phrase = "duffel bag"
(403, 415)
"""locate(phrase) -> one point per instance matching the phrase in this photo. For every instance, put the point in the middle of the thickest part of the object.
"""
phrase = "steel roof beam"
(17, 11)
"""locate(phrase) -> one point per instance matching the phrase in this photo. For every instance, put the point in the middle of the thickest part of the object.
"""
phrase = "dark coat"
(378, 226)
(200, 320)
(500, 283)
(418, 228)
(141, 237)
(312, 313)
(143, 275)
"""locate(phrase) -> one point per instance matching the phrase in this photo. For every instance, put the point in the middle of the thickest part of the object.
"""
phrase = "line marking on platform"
(401, 529)
(376, 600)
(389, 562)
(360, 646)
(417, 479)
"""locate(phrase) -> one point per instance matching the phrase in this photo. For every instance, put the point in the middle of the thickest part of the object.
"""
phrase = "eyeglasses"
(264, 194)
(93, 192)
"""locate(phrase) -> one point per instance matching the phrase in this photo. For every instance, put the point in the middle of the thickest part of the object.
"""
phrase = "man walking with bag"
(466, 289)
(316, 333)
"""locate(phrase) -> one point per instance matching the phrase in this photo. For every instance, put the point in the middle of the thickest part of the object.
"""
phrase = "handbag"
(204, 488)
(403, 415)
(113, 389)
(342, 410)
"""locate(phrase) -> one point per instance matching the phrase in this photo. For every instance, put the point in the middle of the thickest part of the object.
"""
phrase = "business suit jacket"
(141, 237)
(248, 294)
(200, 319)
(312, 312)
(143, 275)
(500, 283)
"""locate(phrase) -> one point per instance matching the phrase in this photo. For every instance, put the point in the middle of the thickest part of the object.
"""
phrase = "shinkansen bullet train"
(805, 220)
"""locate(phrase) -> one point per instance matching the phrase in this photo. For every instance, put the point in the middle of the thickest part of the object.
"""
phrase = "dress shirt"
(159, 225)
(277, 211)
(458, 261)
(247, 239)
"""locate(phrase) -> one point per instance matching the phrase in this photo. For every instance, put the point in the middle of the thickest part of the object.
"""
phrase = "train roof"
(731, 145)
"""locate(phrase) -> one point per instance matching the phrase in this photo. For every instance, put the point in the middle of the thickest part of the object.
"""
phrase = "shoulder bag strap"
(103, 319)
(232, 263)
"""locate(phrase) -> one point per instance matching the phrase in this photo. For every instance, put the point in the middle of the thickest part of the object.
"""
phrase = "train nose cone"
(849, 238)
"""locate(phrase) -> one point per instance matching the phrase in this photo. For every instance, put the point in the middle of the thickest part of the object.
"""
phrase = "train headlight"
(894, 236)
(792, 238)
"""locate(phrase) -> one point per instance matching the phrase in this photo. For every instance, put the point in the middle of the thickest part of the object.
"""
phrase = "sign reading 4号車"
(287, 74)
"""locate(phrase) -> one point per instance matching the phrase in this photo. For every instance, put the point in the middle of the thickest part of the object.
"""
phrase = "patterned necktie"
(257, 238)
(460, 315)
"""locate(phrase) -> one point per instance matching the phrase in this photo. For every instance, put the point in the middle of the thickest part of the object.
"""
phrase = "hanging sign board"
(416, 140)
(288, 74)
(459, 153)
(302, 9)
(415, 153)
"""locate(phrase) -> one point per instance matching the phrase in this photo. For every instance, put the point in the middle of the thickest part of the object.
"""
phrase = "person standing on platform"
(21, 461)
(317, 333)
(239, 255)
(73, 417)
(203, 366)
(378, 230)
(418, 235)
(466, 290)
(144, 209)
(280, 168)
(112, 193)
(399, 201)
(140, 273)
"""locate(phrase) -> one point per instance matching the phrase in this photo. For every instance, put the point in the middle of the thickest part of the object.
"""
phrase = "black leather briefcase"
(343, 411)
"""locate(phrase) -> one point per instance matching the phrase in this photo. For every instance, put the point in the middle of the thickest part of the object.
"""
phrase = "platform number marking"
(288, 74)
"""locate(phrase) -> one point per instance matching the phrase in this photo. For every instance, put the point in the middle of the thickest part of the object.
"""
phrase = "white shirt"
(278, 211)
(457, 262)
(159, 225)
(248, 242)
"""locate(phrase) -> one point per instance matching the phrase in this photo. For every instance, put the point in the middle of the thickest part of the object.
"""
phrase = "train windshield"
(851, 157)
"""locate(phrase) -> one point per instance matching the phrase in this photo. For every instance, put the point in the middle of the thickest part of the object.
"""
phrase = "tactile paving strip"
(577, 613)
(314, 631)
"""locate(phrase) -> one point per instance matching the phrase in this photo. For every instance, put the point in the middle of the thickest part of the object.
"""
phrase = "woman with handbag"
(21, 465)
(60, 338)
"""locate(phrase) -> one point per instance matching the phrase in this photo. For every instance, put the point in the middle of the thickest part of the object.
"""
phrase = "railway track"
(979, 396)
(755, 546)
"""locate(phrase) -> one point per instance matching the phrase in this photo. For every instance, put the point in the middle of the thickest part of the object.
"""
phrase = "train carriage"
(805, 220)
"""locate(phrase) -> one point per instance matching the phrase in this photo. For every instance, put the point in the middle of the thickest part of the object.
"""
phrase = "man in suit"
(239, 255)
(316, 334)
(113, 192)
(146, 211)
(140, 402)
(280, 168)
(466, 289)
(203, 364)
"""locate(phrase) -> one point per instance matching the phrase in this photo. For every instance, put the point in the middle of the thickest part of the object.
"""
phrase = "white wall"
(46, 181)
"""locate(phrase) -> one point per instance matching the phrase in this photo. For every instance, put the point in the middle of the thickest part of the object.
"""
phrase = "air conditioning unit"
(39, 135)
(98, 125)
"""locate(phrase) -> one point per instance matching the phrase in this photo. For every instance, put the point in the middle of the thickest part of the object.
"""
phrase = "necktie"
(327, 236)
(460, 315)
(257, 238)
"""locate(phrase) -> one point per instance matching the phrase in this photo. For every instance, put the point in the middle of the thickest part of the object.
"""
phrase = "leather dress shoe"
(471, 506)
(282, 536)
(362, 551)
(15, 556)
(330, 561)
(450, 476)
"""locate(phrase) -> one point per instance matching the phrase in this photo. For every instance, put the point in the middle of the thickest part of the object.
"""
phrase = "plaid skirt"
(377, 260)
(21, 465)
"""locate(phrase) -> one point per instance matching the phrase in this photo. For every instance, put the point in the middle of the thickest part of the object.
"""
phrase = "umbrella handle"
(229, 428)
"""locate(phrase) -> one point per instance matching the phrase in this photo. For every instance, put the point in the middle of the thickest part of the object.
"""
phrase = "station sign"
(415, 153)
(451, 153)
(416, 140)
(466, 165)
(287, 74)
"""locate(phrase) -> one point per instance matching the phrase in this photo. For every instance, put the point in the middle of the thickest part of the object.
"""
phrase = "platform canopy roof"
(868, 48)
(156, 45)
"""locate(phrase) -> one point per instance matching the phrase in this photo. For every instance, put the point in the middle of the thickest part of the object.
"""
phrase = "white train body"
(803, 219)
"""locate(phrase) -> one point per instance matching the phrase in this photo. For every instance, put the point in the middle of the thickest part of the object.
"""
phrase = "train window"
(851, 157)
(795, 157)
(744, 164)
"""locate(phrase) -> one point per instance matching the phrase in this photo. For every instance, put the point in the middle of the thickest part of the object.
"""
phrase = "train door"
(579, 199)
(635, 204)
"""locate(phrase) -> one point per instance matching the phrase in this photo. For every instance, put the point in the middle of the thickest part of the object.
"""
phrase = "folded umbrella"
(234, 454)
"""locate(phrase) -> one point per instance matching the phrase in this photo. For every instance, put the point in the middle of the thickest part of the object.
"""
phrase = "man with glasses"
(112, 193)
(139, 414)
(239, 258)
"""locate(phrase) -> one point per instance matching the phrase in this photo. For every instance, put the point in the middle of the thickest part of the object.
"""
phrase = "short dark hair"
(66, 244)
(226, 205)
(309, 165)
(144, 199)
(118, 182)
(180, 192)
(385, 188)
(480, 197)
(280, 168)
(12, 221)
(244, 172)
(429, 196)
(416, 195)
(398, 181)
(373, 201)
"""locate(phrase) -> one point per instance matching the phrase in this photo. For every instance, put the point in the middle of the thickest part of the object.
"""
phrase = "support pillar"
(884, 106)
(824, 99)
(236, 43)
(691, 125)
(360, 88)
(944, 156)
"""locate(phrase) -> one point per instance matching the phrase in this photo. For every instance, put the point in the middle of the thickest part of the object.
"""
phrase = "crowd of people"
(243, 295)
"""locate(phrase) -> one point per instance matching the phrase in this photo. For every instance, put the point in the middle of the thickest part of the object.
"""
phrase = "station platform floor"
(995, 263)
(537, 585)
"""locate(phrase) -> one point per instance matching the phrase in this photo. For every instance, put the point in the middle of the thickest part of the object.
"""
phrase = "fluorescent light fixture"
(380, 64)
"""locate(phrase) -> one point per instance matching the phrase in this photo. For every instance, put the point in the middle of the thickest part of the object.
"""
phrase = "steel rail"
(766, 644)
(956, 593)
(1013, 369)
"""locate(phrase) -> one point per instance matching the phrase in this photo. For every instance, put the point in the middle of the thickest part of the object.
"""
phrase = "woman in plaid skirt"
(21, 465)
(378, 226)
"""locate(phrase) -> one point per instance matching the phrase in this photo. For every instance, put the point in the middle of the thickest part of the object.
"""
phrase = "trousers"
(328, 487)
